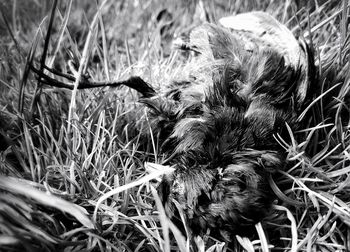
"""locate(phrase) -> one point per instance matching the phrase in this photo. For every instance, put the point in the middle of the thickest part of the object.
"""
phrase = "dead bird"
(246, 79)
(243, 81)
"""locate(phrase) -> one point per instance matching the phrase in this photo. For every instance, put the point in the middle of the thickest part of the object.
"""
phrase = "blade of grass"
(15, 186)
(245, 243)
(147, 178)
(26, 71)
(293, 226)
(83, 63)
(38, 87)
(104, 48)
(163, 221)
(262, 237)
(61, 33)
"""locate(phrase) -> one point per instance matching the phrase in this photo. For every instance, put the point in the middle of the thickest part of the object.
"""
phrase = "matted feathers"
(216, 124)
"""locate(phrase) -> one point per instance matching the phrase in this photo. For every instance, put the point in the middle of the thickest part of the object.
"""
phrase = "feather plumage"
(217, 125)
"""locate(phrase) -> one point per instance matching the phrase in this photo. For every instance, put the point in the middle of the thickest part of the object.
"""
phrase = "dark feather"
(217, 124)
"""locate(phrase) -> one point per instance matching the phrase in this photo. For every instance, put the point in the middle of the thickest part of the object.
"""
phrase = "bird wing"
(262, 30)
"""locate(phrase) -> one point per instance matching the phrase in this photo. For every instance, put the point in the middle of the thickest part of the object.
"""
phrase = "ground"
(72, 163)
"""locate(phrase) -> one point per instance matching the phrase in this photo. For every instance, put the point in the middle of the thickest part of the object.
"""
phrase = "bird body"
(246, 80)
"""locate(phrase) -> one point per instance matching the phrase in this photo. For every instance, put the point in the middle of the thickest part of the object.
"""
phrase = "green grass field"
(72, 162)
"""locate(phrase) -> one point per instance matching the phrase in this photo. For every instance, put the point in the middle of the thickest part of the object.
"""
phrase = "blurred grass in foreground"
(62, 154)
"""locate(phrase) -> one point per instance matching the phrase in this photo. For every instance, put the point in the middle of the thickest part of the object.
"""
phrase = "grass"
(72, 164)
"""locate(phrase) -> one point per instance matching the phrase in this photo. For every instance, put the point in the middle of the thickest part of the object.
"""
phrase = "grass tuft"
(76, 170)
